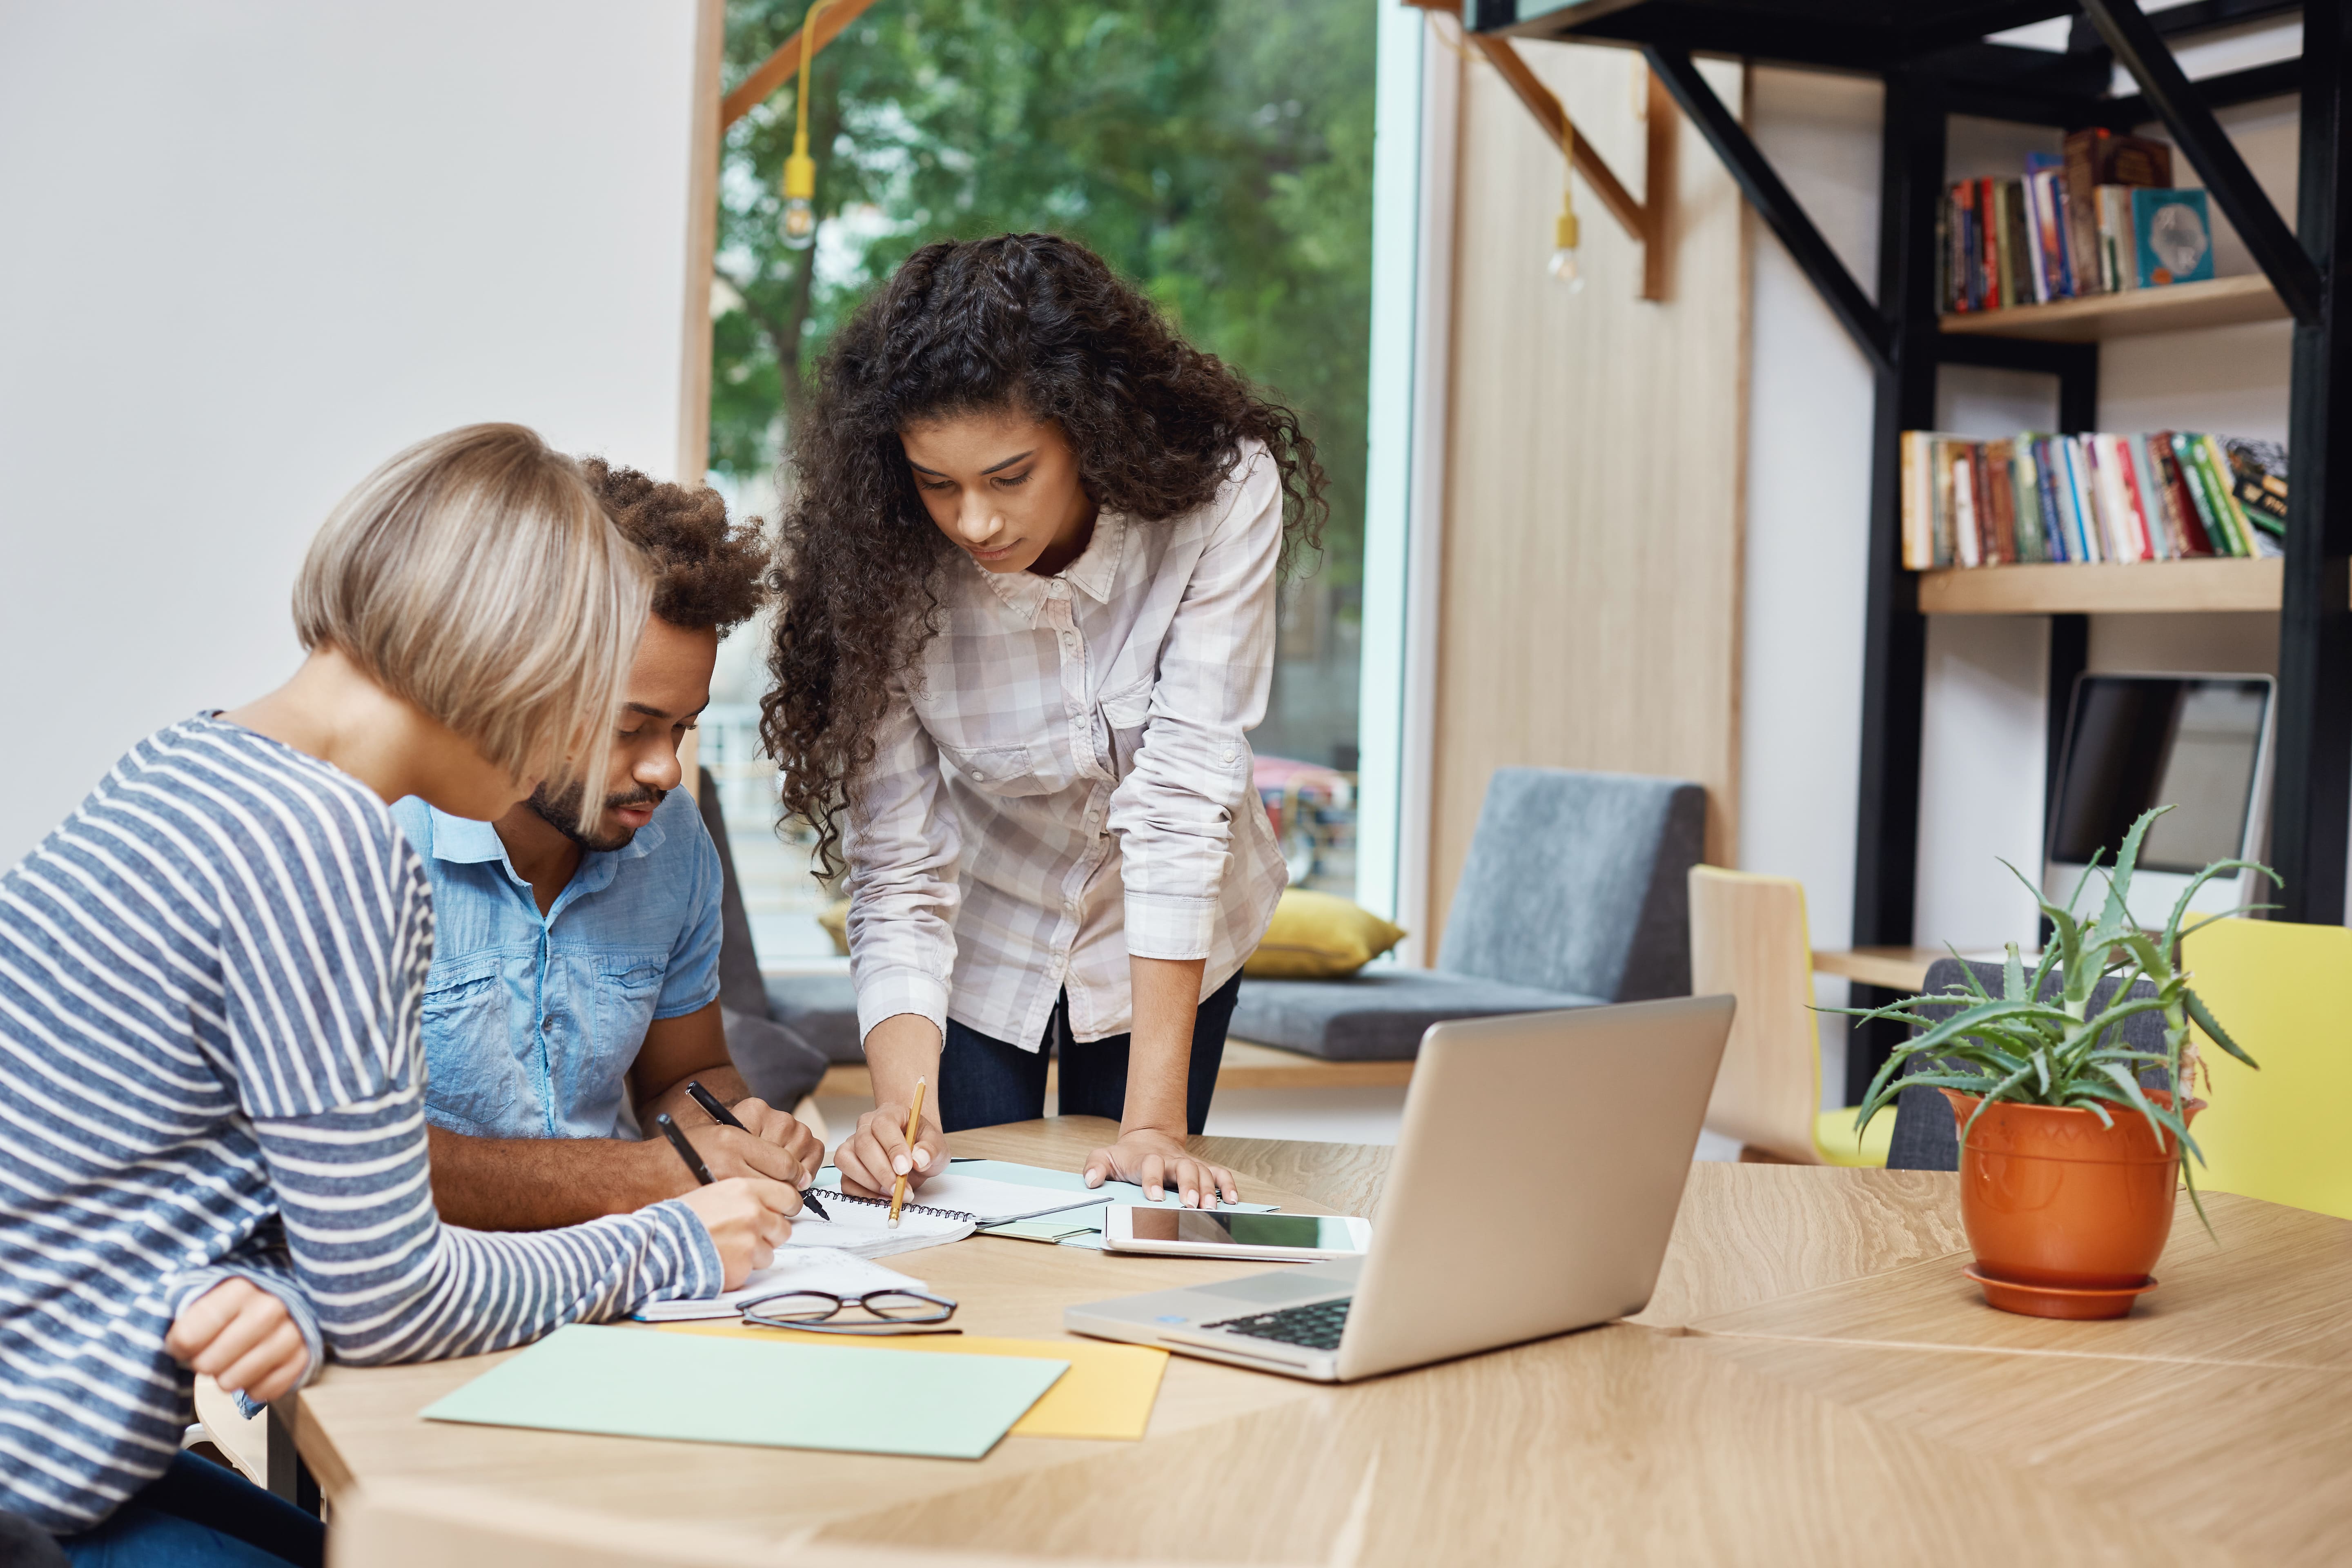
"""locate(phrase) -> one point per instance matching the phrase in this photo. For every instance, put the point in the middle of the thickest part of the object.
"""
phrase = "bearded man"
(574, 987)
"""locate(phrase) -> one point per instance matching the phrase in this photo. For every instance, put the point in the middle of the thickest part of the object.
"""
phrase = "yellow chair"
(2278, 1134)
(1748, 937)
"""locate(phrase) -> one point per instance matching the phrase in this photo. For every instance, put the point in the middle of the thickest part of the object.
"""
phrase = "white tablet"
(1229, 1233)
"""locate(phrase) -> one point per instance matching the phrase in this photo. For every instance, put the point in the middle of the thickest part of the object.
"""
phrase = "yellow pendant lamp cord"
(800, 169)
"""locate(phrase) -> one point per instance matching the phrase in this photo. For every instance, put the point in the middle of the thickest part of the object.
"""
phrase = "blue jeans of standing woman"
(985, 1081)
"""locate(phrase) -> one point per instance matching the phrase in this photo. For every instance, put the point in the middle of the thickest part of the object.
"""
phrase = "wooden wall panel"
(1589, 608)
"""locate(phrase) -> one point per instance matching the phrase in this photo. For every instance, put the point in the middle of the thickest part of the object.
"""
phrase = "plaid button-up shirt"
(1064, 778)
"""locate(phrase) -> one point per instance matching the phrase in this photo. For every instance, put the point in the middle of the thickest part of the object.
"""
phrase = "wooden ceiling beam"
(1645, 221)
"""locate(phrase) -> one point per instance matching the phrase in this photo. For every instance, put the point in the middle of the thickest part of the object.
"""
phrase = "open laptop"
(1535, 1180)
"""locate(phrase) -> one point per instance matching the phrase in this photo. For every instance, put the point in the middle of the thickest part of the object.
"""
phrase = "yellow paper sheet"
(1107, 1392)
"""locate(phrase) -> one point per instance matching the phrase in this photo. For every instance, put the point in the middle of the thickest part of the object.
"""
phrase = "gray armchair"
(1925, 1137)
(1574, 894)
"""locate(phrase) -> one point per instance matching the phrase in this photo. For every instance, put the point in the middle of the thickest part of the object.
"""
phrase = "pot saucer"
(2058, 1300)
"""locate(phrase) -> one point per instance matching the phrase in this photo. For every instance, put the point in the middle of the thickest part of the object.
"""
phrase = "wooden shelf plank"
(1903, 969)
(2144, 588)
(2216, 302)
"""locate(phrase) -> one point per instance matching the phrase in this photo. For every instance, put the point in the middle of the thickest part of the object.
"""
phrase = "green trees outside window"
(1219, 151)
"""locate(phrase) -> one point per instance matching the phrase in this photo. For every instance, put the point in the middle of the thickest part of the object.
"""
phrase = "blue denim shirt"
(531, 1025)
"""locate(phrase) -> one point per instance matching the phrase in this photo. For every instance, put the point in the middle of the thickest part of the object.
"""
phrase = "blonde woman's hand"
(243, 1338)
(748, 1218)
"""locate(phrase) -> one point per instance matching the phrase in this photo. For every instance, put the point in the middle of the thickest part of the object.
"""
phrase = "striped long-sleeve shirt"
(209, 988)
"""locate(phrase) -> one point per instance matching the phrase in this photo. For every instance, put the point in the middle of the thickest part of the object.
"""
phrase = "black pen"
(726, 1118)
(678, 1141)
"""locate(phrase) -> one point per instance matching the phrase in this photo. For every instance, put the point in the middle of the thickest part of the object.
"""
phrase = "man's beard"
(561, 812)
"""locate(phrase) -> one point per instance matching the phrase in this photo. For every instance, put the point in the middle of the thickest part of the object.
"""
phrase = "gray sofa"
(820, 1008)
(777, 1060)
(1574, 894)
(1925, 1137)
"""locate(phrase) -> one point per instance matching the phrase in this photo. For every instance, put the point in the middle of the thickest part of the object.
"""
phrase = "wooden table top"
(1813, 1381)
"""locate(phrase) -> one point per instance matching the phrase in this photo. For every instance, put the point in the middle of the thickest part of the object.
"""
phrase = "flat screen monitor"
(2198, 744)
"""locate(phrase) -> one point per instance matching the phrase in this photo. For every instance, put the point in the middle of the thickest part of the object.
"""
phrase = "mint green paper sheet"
(639, 1382)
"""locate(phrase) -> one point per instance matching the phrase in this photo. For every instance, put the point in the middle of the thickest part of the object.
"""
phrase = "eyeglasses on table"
(885, 1312)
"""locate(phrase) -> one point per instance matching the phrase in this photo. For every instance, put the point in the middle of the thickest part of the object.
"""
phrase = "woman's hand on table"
(1158, 1162)
(748, 1218)
(243, 1338)
(873, 1158)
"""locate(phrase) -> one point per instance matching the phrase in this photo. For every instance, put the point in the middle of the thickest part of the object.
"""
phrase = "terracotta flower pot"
(2066, 1216)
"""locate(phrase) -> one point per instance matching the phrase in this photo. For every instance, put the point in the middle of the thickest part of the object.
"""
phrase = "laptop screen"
(2133, 741)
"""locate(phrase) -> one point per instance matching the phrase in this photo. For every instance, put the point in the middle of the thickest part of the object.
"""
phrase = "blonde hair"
(476, 575)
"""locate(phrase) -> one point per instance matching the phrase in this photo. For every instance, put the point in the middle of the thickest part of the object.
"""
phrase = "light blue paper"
(642, 1382)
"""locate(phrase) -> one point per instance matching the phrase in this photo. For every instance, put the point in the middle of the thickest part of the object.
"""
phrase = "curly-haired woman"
(1029, 607)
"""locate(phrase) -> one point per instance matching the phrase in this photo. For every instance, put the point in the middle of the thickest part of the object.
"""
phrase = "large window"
(1217, 152)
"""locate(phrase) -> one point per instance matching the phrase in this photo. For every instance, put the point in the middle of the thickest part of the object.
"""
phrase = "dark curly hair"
(705, 573)
(1026, 321)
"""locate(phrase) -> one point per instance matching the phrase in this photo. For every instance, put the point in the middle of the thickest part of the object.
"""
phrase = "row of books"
(2164, 496)
(2099, 218)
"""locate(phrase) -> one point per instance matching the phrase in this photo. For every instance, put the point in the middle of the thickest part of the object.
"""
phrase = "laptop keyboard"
(1317, 1326)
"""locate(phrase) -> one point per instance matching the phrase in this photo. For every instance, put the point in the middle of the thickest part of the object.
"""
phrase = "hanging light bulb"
(800, 208)
(1564, 233)
(1562, 266)
(798, 224)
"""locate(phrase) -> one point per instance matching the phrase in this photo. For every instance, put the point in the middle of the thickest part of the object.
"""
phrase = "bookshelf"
(2179, 307)
(2103, 588)
(1935, 61)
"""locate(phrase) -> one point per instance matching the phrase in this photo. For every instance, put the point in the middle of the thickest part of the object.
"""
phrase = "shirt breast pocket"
(471, 1078)
(1120, 720)
(1024, 770)
(628, 988)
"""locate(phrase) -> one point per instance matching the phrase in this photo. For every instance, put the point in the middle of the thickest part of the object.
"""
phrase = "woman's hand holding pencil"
(895, 1145)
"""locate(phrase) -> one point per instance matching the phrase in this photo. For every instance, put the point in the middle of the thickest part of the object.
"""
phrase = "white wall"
(256, 247)
(1808, 523)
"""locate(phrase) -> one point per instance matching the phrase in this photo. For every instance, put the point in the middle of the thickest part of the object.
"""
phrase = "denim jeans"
(985, 1081)
(198, 1514)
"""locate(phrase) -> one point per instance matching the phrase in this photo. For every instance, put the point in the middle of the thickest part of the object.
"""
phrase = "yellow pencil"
(914, 1122)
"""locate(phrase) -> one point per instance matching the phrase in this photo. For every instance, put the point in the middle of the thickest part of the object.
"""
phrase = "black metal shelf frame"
(1935, 63)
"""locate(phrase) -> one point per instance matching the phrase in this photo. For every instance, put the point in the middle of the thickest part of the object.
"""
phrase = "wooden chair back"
(1748, 937)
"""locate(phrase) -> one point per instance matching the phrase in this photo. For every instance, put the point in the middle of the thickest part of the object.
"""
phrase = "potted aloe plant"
(2068, 1164)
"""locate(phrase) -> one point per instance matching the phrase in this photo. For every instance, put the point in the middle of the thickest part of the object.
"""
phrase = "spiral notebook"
(861, 1227)
(961, 1193)
(953, 1205)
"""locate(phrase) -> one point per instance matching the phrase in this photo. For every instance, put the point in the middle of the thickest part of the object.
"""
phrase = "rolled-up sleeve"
(1174, 813)
(900, 840)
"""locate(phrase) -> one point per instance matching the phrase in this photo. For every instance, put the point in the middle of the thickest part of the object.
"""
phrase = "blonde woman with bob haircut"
(211, 1141)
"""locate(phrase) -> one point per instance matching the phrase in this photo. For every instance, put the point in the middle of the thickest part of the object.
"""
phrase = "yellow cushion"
(1319, 936)
(1833, 1136)
(835, 921)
